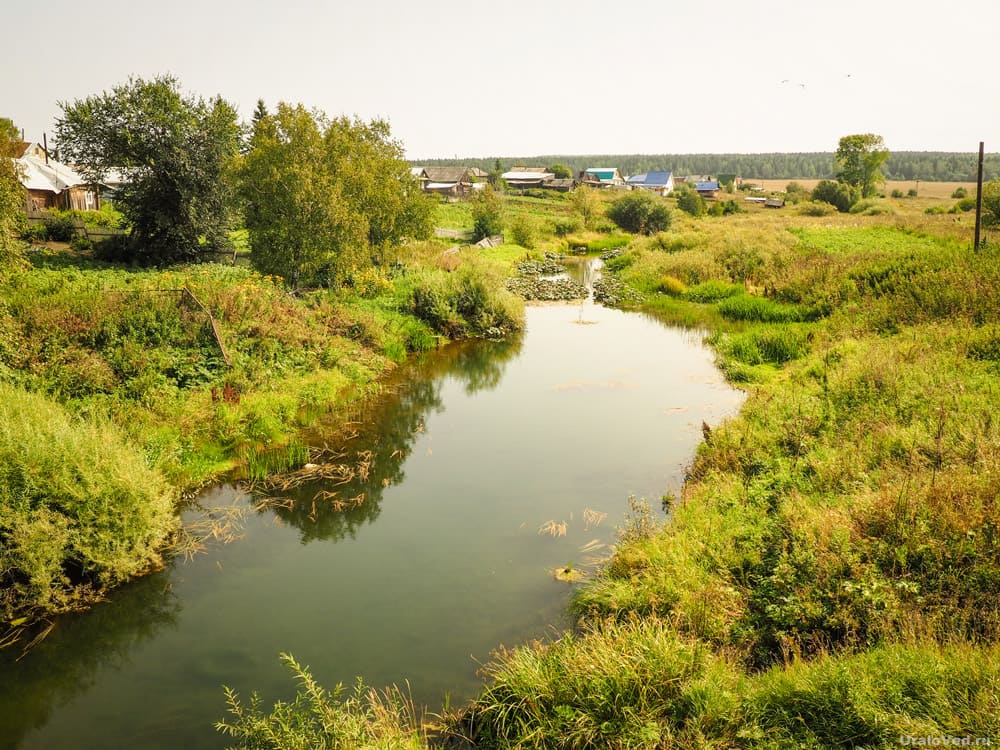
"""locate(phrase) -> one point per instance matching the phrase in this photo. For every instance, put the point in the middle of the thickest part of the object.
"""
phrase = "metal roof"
(604, 173)
(54, 176)
(709, 185)
(660, 178)
(636, 179)
(534, 176)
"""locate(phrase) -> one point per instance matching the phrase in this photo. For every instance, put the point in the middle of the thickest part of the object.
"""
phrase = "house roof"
(447, 174)
(418, 172)
(532, 170)
(707, 185)
(659, 178)
(636, 179)
(604, 173)
(566, 182)
(53, 176)
(533, 176)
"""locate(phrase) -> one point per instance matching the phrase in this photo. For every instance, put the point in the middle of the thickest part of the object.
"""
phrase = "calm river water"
(475, 450)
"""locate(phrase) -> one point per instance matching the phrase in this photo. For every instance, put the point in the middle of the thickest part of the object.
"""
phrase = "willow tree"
(323, 197)
(859, 161)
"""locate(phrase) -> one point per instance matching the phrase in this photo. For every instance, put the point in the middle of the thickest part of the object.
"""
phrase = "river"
(486, 466)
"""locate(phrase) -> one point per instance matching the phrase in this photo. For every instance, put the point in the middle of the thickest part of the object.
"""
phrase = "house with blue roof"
(707, 188)
(659, 182)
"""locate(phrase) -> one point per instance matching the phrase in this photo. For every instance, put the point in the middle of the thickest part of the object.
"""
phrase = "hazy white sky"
(526, 77)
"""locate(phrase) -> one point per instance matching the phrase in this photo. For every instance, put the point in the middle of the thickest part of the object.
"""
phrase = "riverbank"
(186, 375)
(835, 542)
(828, 577)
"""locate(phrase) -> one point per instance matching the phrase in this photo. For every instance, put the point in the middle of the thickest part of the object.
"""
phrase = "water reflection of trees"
(385, 431)
(63, 665)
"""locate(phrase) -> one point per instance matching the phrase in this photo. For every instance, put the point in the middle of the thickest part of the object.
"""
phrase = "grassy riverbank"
(830, 574)
(184, 375)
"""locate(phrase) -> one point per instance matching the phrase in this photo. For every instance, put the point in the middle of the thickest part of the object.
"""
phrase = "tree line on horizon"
(931, 166)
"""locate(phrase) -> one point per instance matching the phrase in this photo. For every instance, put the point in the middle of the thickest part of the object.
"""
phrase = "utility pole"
(979, 198)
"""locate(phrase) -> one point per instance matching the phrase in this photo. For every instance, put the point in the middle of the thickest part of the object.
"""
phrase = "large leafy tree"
(322, 197)
(858, 162)
(640, 212)
(175, 150)
(11, 194)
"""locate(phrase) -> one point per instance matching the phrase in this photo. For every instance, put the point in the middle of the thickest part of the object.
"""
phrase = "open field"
(940, 190)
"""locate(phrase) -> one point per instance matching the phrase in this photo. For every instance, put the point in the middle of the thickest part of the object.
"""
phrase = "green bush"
(60, 227)
(640, 212)
(690, 202)
(523, 231)
(897, 193)
(960, 192)
(565, 226)
(817, 208)
(80, 509)
(966, 205)
(671, 286)
(837, 194)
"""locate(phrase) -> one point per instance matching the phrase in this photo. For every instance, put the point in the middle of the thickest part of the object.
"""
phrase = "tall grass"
(80, 509)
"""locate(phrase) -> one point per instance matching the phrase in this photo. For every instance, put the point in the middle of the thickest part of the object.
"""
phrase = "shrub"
(960, 192)
(640, 212)
(80, 509)
(523, 232)
(565, 226)
(487, 213)
(911, 193)
(966, 204)
(691, 203)
(897, 193)
(838, 194)
(671, 285)
(817, 208)
(60, 227)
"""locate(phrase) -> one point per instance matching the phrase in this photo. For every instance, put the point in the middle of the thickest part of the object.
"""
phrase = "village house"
(659, 182)
(453, 182)
(527, 177)
(707, 188)
(609, 177)
(51, 184)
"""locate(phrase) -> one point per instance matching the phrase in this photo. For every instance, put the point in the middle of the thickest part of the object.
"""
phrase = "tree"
(991, 203)
(487, 213)
(323, 197)
(561, 171)
(587, 203)
(175, 149)
(11, 194)
(640, 212)
(838, 194)
(858, 162)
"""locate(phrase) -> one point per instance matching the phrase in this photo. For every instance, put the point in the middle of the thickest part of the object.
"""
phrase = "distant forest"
(931, 166)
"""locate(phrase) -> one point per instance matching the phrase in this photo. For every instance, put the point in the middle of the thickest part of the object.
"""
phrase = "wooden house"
(51, 184)
(609, 177)
(454, 182)
(527, 177)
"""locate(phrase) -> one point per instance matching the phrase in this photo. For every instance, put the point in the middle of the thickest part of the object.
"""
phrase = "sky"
(469, 78)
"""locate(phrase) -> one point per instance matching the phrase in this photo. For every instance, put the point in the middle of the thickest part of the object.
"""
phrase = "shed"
(774, 202)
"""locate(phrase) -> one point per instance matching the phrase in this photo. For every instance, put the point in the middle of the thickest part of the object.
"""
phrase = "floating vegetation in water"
(533, 288)
(569, 574)
(612, 253)
(221, 524)
(593, 545)
(553, 528)
(611, 292)
(547, 266)
(592, 517)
